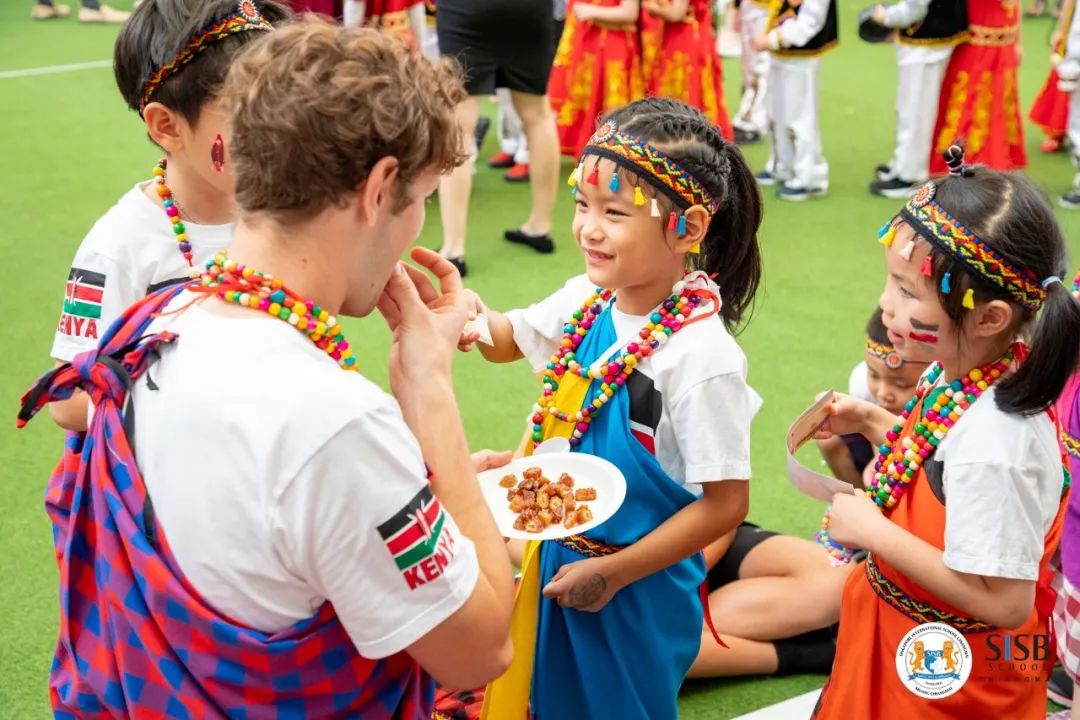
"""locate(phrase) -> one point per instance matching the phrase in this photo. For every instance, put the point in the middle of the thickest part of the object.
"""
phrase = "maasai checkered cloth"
(1067, 625)
(136, 639)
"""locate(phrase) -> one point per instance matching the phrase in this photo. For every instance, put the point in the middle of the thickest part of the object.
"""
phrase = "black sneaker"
(895, 188)
(765, 178)
(746, 137)
(798, 194)
(1070, 200)
(539, 243)
(483, 124)
(883, 173)
(459, 263)
(1059, 687)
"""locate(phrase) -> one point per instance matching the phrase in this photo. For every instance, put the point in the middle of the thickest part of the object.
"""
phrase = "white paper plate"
(587, 471)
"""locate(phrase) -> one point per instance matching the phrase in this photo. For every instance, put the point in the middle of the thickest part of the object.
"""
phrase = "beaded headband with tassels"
(246, 18)
(649, 163)
(934, 223)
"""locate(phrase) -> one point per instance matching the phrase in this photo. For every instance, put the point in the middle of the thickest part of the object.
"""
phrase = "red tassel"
(926, 268)
(594, 176)
(672, 222)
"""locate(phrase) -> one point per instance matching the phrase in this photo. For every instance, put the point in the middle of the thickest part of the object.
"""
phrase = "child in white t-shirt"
(646, 375)
(883, 378)
(169, 60)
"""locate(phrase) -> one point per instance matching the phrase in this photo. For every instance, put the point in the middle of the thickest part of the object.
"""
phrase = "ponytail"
(1055, 353)
(730, 252)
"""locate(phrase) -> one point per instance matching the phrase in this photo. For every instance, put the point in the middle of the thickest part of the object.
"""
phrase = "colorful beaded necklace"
(901, 456)
(236, 283)
(667, 319)
(172, 211)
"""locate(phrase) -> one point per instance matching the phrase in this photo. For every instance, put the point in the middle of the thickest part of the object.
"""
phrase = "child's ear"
(993, 318)
(163, 126)
(697, 225)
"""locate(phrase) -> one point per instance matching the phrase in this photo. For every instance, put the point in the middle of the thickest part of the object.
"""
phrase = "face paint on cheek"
(217, 153)
(923, 332)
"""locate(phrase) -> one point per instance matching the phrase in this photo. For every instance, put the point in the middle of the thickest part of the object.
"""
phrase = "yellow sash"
(507, 697)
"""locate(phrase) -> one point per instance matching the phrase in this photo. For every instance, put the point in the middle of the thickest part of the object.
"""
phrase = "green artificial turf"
(69, 149)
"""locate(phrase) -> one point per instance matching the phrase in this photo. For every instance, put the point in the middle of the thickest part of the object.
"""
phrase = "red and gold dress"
(330, 8)
(880, 605)
(392, 18)
(1050, 111)
(597, 69)
(680, 61)
(979, 102)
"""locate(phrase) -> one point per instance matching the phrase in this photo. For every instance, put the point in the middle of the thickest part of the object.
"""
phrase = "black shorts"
(726, 570)
(499, 43)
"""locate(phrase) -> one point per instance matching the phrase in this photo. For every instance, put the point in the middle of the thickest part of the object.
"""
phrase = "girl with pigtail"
(966, 506)
(646, 374)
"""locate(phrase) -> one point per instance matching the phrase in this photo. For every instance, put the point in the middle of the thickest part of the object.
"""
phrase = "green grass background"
(69, 149)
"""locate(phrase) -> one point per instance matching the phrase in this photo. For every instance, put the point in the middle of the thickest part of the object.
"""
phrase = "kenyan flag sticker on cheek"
(418, 539)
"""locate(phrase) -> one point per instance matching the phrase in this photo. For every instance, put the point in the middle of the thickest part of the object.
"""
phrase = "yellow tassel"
(639, 197)
(696, 249)
(889, 236)
(572, 180)
(969, 299)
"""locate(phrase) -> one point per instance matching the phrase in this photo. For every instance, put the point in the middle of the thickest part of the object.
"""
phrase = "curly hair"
(314, 106)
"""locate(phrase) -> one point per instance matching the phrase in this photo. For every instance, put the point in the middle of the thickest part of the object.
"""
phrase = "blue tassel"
(573, 191)
(884, 229)
(946, 283)
(614, 186)
(682, 225)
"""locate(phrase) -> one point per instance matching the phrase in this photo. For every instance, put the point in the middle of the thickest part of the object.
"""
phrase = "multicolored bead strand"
(666, 320)
(901, 456)
(248, 287)
(172, 211)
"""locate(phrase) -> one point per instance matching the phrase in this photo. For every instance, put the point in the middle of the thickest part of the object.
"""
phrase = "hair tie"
(1050, 281)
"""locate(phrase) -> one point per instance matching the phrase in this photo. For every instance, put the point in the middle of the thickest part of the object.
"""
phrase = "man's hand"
(490, 459)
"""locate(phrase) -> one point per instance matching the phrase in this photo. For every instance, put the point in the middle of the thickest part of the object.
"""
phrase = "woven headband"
(652, 165)
(886, 353)
(933, 222)
(246, 18)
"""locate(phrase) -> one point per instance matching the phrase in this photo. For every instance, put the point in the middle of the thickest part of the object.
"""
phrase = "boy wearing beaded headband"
(883, 378)
(645, 374)
(966, 504)
(170, 59)
(293, 541)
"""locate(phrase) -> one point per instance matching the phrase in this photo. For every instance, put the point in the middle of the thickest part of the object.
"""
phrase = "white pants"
(793, 123)
(918, 86)
(752, 115)
(1072, 131)
(509, 128)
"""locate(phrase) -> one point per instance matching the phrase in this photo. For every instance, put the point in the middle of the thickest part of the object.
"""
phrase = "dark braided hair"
(729, 250)
(1008, 213)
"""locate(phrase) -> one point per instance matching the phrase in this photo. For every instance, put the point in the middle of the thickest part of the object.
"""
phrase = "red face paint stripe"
(927, 338)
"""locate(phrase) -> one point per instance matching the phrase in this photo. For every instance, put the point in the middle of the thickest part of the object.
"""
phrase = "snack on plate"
(538, 502)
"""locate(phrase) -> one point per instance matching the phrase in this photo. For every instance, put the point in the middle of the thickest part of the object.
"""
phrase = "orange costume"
(597, 68)
(878, 608)
(1050, 111)
(979, 102)
(392, 17)
(681, 62)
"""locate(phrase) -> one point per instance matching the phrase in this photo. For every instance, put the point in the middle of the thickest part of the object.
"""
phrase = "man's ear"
(164, 126)
(378, 189)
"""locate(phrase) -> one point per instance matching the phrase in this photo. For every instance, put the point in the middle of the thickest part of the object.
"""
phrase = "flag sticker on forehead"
(83, 294)
(418, 539)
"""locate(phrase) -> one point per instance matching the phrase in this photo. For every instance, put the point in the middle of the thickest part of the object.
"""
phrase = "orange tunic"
(680, 61)
(596, 70)
(864, 684)
(979, 101)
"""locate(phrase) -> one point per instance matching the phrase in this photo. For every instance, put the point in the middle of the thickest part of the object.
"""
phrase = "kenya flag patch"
(418, 539)
(83, 294)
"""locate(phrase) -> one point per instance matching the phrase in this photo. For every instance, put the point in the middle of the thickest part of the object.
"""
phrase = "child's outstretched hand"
(469, 336)
(847, 415)
(583, 585)
(854, 520)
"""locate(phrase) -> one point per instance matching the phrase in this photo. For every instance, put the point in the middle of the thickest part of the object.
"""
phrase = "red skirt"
(1050, 111)
(596, 70)
(979, 105)
(330, 8)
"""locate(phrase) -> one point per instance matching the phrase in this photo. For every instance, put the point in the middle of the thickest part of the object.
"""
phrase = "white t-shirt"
(858, 385)
(282, 481)
(129, 252)
(1002, 480)
(690, 403)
